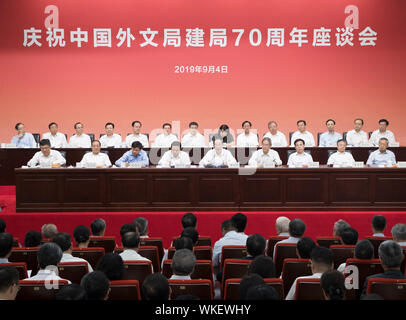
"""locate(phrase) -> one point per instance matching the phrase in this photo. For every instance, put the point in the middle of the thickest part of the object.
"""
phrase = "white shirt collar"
(176, 277)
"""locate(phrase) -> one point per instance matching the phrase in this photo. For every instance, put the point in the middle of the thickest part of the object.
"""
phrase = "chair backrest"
(233, 252)
(151, 253)
(137, 270)
(294, 268)
(388, 289)
(108, 243)
(235, 268)
(376, 241)
(203, 269)
(91, 255)
(45, 240)
(125, 290)
(73, 271)
(232, 288)
(272, 240)
(63, 154)
(155, 241)
(203, 252)
(203, 241)
(171, 252)
(328, 241)
(201, 288)
(91, 135)
(37, 137)
(341, 253)
(21, 268)
(318, 137)
(283, 251)
(290, 138)
(27, 255)
(309, 289)
(37, 290)
(345, 135)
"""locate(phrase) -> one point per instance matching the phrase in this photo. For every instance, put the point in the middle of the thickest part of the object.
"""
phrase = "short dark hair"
(137, 144)
(248, 281)
(72, 292)
(166, 124)
(379, 222)
(189, 220)
(127, 227)
(246, 121)
(330, 120)
(112, 265)
(96, 141)
(32, 239)
(176, 144)
(228, 225)
(6, 244)
(240, 221)
(262, 292)
(263, 266)
(63, 240)
(97, 226)
(109, 124)
(333, 285)
(8, 277)
(321, 256)
(391, 254)
(142, 224)
(130, 240)
(74, 126)
(81, 234)
(45, 142)
(266, 139)
(299, 121)
(49, 254)
(297, 228)
(96, 285)
(305, 246)
(51, 124)
(18, 124)
(191, 233)
(384, 120)
(341, 140)
(224, 127)
(3, 226)
(193, 123)
(362, 121)
(349, 236)
(183, 243)
(156, 287)
(134, 122)
(256, 244)
(298, 140)
(364, 250)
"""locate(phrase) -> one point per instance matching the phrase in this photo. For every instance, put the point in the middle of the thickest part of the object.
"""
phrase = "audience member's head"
(349, 236)
(156, 287)
(82, 236)
(6, 245)
(130, 240)
(32, 239)
(72, 292)
(399, 232)
(98, 227)
(189, 220)
(8, 283)
(364, 250)
(2, 226)
(263, 266)
(127, 227)
(227, 226)
(378, 224)
(391, 255)
(304, 248)
(183, 262)
(191, 233)
(63, 240)
(189, 297)
(49, 254)
(97, 285)
(183, 243)
(240, 221)
(112, 265)
(49, 231)
(143, 225)
(262, 292)
(249, 281)
(256, 244)
(297, 228)
(282, 225)
(339, 226)
(332, 283)
(321, 260)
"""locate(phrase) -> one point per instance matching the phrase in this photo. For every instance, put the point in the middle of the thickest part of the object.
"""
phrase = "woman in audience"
(82, 236)
(332, 283)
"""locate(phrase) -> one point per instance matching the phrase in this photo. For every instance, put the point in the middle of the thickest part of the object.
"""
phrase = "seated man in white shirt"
(6, 246)
(47, 157)
(378, 225)
(64, 241)
(193, 139)
(297, 229)
(341, 158)
(165, 139)
(98, 227)
(357, 137)
(79, 139)
(95, 158)
(9, 285)
(131, 243)
(174, 157)
(321, 261)
(183, 264)
(57, 139)
(382, 132)
(49, 255)
(97, 286)
(136, 135)
(340, 226)
(301, 133)
(223, 134)
(143, 226)
(266, 156)
(364, 250)
(282, 226)
(23, 139)
(240, 222)
(300, 158)
(399, 234)
(382, 157)
(110, 139)
(217, 157)
(278, 138)
(247, 138)
(330, 137)
(156, 287)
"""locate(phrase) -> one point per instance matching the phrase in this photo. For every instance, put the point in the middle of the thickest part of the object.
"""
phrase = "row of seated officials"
(289, 266)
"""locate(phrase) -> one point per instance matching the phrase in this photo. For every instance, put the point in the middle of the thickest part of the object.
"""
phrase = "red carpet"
(167, 224)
